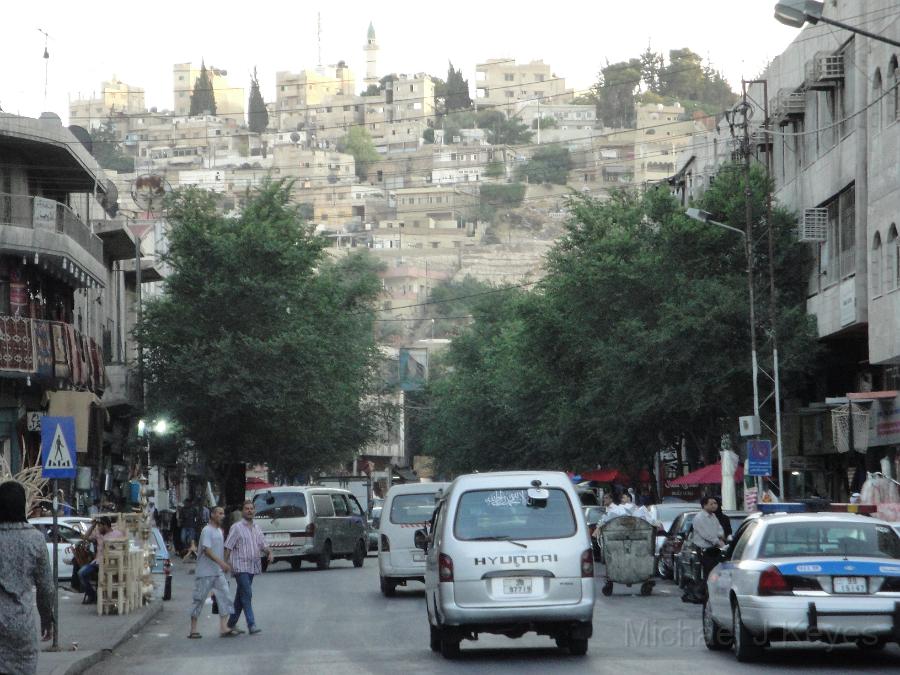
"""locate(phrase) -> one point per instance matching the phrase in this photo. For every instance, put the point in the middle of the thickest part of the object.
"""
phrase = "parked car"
(687, 567)
(508, 554)
(374, 524)
(675, 536)
(799, 576)
(68, 537)
(407, 508)
(592, 516)
(312, 523)
(665, 515)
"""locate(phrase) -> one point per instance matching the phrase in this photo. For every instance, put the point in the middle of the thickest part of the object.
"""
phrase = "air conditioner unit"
(750, 425)
(813, 225)
(792, 102)
(829, 67)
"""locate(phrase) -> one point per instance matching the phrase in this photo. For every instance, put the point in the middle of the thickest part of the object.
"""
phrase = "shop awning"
(605, 476)
(254, 483)
(707, 475)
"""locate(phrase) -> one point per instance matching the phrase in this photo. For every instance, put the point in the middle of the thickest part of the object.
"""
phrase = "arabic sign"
(759, 455)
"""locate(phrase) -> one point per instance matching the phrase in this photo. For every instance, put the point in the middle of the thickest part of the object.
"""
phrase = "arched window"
(893, 107)
(875, 110)
(890, 259)
(876, 266)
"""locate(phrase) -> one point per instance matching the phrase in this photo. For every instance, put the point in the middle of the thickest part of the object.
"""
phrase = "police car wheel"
(388, 587)
(449, 644)
(747, 647)
(713, 635)
(434, 638)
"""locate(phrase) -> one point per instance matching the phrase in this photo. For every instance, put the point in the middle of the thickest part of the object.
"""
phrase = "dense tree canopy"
(548, 164)
(107, 150)
(636, 338)
(261, 348)
(359, 143)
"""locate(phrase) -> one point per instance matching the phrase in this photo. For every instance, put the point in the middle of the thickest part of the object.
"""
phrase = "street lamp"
(158, 427)
(796, 13)
(706, 217)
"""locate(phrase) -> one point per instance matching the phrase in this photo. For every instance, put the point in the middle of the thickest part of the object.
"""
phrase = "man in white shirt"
(210, 575)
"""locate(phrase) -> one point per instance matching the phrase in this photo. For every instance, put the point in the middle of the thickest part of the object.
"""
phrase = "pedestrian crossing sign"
(58, 447)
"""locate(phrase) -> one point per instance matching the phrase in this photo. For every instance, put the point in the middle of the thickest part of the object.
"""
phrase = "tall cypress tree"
(257, 115)
(457, 91)
(203, 100)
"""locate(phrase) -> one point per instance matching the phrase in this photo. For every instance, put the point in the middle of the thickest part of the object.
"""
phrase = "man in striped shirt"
(243, 551)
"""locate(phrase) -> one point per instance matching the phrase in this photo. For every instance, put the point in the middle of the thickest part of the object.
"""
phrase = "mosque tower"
(371, 50)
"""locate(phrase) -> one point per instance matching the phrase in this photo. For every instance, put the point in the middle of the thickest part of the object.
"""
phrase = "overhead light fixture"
(35, 258)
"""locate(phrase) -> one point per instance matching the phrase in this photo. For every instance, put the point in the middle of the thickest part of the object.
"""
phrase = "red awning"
(706, 475)
(254, 483)
(605, 476)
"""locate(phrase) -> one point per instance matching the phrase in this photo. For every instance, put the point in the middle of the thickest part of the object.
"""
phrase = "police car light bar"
(805, 507)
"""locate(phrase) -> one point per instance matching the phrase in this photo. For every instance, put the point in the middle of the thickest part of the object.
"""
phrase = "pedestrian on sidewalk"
(101, 529)
(23, 566)
(210, 575)
(243, 551)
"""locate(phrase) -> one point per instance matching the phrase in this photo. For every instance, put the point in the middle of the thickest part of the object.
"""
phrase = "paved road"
(337, 621)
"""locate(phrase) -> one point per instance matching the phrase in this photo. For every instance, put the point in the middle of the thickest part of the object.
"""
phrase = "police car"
(790, 575)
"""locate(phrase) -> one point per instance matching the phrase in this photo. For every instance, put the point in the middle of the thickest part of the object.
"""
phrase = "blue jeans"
(243, 600)
(187, 536)
(84, 575)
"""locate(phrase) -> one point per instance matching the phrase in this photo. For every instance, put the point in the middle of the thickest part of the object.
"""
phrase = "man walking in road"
(243, 551)
(210, 575)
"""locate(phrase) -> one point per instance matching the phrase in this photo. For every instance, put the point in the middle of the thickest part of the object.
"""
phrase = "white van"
(508, 553)
(312, 523)
(407, 508)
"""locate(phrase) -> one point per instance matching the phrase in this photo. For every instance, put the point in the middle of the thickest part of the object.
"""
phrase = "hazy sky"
(139, 41)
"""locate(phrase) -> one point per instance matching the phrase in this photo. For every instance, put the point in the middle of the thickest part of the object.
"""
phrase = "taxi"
(791, 575)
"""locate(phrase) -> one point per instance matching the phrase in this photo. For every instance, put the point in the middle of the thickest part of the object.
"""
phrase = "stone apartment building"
(300, 98)
(502, 84)
(833, 141)
(661, 132)
(116, 97)
(230, 100)
(398, 116)
(67, 304)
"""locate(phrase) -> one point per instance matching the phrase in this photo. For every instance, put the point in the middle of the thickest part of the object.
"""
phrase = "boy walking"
(210, 575)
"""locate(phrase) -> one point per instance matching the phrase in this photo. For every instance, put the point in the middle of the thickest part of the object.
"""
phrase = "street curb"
(93, 658)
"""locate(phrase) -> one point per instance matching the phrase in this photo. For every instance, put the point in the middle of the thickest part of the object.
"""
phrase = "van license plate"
(418, 557)
(850, 585)
(517, 586)
(278, 538)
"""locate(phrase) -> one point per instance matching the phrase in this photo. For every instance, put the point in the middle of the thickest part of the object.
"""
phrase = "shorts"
(217, 585)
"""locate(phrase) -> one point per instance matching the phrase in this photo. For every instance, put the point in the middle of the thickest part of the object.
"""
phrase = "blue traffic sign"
(759, 455)
(58, 447)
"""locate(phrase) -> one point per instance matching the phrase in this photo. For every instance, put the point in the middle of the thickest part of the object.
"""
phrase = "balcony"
(30, 224)
(50, 352)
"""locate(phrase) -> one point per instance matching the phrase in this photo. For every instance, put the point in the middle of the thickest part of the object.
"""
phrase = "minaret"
(371, 50)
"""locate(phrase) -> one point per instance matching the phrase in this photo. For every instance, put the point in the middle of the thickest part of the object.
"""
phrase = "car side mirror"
(421, 539)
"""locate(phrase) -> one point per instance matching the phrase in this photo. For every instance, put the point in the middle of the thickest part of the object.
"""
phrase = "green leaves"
(638, 335)
(261, 348)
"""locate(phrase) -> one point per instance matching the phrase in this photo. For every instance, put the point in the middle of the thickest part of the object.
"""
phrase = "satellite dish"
(149, 190)
(82, 135)
(295, 137)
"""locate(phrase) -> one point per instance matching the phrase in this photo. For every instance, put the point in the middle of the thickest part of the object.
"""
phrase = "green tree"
(359, 143)
(637, 337)
(203, 98)
(652, 65)
(261, 348)
(371, 90)
(548, 164)
(456, 91)
(503, 131)
(495, 169)
(687, 79)
(615, 90)
(107, 150)
(257, 114)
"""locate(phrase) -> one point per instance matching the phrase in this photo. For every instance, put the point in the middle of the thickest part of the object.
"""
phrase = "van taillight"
(587, 564)
(445, 567)
(385, 543)
(771, 582)
(311, 530)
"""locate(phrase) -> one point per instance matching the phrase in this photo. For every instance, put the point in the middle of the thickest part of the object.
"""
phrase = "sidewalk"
(95, 636)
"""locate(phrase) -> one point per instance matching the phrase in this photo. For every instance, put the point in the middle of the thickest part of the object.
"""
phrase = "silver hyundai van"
(508, 553)
(312, 523)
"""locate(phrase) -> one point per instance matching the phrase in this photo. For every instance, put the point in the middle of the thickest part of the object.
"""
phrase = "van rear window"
(410, 509)
(280, 505)
(508, 514)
